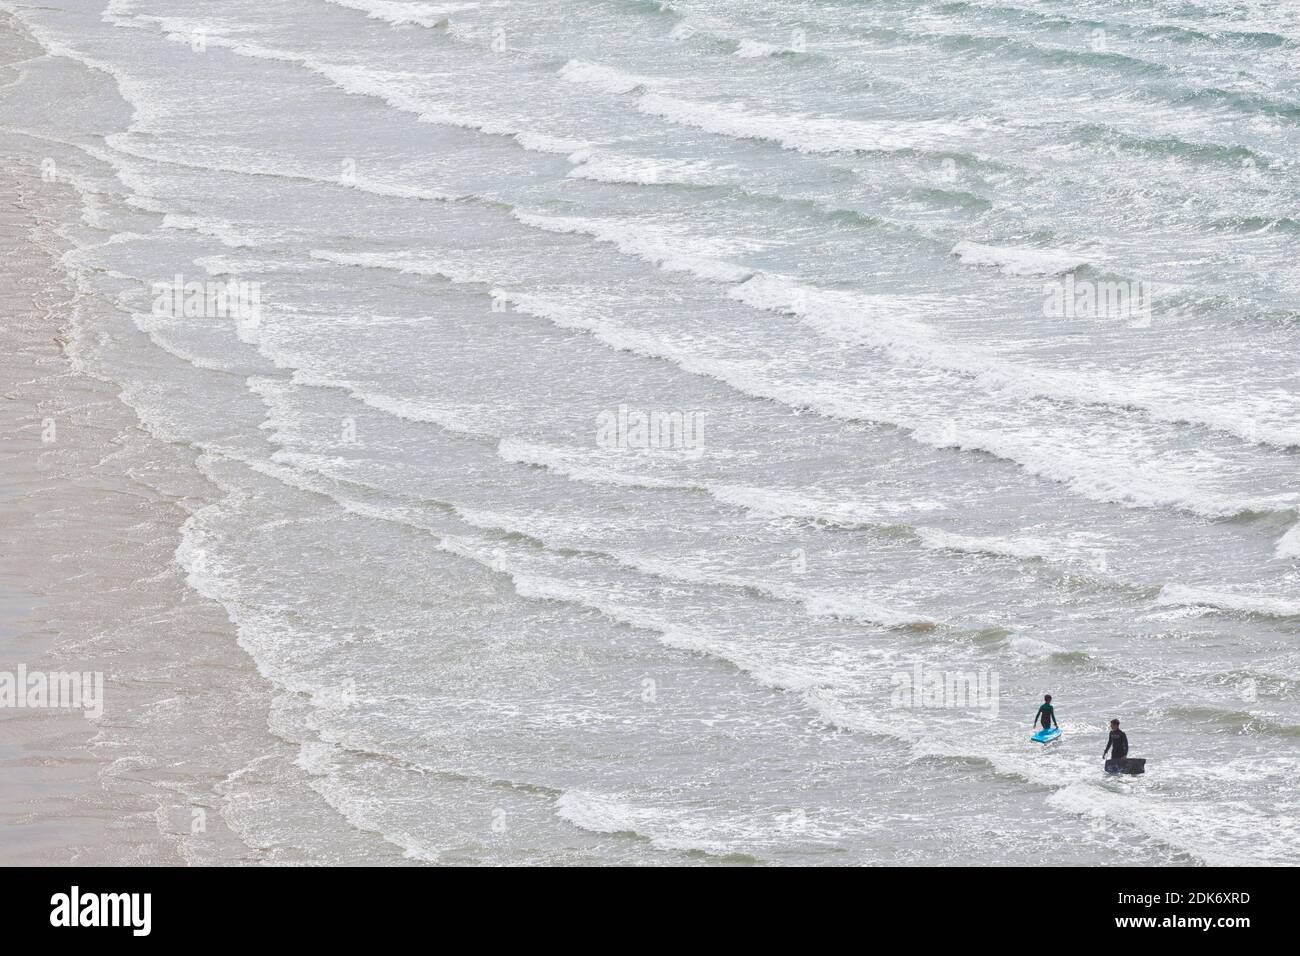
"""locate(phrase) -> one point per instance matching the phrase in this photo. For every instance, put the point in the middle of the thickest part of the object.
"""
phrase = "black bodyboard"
(1127, 765)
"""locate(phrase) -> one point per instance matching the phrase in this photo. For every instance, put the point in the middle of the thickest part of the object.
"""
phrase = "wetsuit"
(1119, 741)
(1047, 716)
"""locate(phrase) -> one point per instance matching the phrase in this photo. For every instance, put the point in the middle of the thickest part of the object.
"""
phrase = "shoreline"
(334, 533)
(191, 762)
(97, 506)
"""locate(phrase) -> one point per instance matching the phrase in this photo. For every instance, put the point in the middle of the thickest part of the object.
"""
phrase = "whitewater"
(825, 231)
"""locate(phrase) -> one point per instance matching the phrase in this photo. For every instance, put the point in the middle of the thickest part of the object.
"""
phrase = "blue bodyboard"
(1046, 736)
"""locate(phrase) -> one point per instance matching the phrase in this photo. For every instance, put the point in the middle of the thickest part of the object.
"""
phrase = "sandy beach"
(90, 513)
(183, 761)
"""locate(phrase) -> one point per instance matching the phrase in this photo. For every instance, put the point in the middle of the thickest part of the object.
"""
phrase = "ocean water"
(832, 239)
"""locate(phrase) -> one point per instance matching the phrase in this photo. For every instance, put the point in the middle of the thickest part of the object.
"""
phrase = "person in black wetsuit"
(1117, 745)
(1046, 714)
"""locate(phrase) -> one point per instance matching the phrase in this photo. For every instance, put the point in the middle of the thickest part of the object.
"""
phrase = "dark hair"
(1047, 697)
(1115, 721)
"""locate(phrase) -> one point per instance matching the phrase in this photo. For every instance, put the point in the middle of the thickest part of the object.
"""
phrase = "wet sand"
(91, 508)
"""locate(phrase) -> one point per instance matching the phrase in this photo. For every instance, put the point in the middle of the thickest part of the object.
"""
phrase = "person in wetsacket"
(1117, 745)
(1046, 714)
